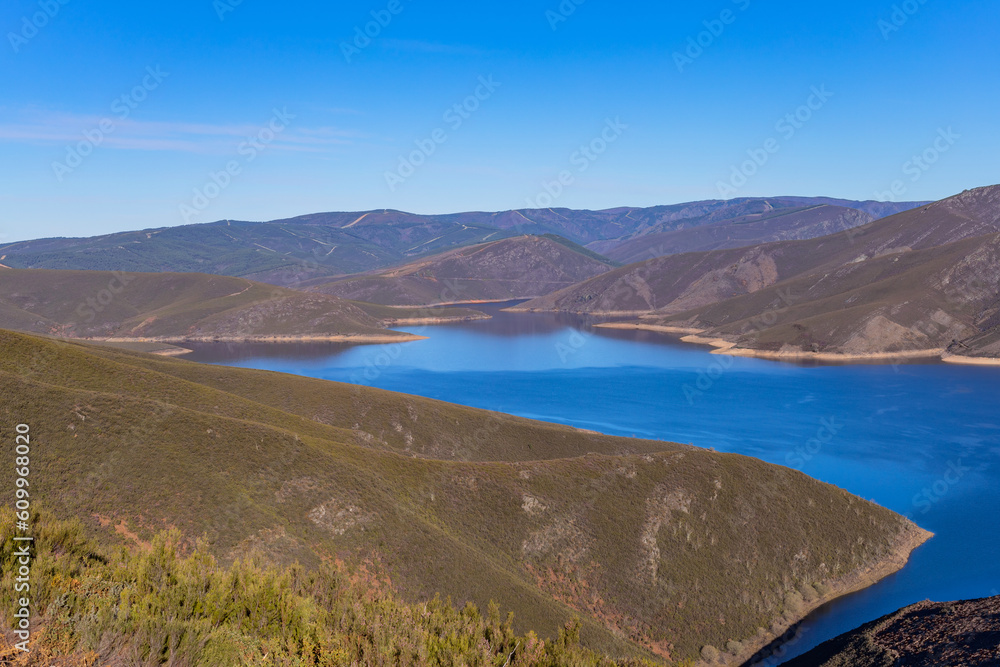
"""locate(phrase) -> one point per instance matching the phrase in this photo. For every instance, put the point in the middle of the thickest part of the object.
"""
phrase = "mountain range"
(291, 251)
(918, 282)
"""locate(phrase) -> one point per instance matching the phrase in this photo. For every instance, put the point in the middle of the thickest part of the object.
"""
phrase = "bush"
(710, 654)
(164, 607)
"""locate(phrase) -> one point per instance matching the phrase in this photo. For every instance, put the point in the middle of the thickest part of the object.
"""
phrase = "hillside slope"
(745, 230)
(950, 634)
(520, 267)
(915, 281)
(328, 245)
(943, 300)
(182, 306)
(165, 605)
(661, 549)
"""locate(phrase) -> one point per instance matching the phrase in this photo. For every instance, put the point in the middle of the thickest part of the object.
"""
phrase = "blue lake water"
(921, 439)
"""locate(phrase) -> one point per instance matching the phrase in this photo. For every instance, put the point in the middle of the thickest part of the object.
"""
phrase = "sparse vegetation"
(175, 306)
(650, 544)
(323, 246)
(923, 280)
(176, 606)
(520, 267)
(951, 634)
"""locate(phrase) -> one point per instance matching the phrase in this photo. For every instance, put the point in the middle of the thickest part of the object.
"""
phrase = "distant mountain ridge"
(289, 251)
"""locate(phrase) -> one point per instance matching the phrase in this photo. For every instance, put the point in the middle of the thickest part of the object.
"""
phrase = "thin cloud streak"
(183, 137)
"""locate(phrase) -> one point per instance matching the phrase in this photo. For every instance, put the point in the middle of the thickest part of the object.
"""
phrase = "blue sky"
(126, 115)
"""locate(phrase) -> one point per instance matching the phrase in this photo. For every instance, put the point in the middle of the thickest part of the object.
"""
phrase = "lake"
(921, 439)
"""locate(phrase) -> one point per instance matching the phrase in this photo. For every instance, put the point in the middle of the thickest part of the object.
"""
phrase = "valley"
(567, 525)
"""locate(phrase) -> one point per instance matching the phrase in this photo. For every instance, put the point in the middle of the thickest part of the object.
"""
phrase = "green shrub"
(163, 606)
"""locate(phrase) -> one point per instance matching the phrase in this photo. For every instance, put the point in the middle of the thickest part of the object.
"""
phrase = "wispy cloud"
(45, 128)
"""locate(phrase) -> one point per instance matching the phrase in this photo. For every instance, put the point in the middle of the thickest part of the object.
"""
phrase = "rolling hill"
(514, 268)
(663, 551)
(176, 307)
(328, 245)
(919, 282)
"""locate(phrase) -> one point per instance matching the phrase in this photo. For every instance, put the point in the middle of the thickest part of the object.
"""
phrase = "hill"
(176, 307)
(951, 634)
(514, 268)
(913, 283)
(662, 550)
(328, 245)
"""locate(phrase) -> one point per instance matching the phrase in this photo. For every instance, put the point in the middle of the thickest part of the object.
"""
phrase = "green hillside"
(660, 549)
(166, 604)
(184, 306)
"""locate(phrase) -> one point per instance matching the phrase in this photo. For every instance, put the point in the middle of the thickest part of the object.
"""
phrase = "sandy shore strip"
(594, 313)
(470, 302)
(632, 326)
(729, 348)
(171, 351)
(906, 543)
(409, 321)
(335, 338)
(970, 361)
(829, 356)
(722, 346)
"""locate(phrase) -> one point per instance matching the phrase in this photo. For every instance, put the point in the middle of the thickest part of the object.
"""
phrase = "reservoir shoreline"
(726, 347)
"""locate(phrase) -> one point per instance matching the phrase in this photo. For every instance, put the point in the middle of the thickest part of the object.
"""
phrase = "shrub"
(710, 654)
(163, 606)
